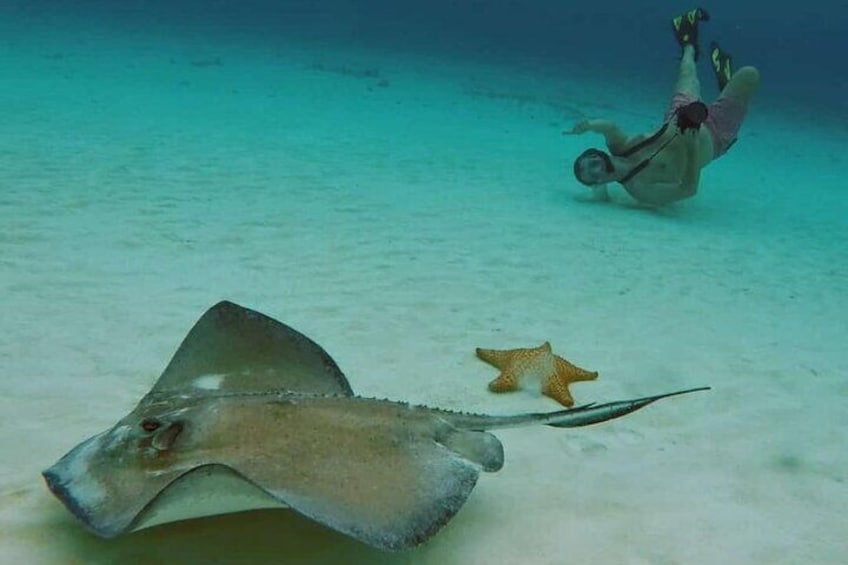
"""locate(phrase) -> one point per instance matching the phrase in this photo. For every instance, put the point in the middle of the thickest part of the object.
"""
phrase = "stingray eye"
(149, 425)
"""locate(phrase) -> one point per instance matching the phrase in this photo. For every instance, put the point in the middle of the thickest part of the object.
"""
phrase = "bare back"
(664, 178)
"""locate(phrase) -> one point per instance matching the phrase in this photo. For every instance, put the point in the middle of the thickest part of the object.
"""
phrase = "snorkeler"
(665, 167)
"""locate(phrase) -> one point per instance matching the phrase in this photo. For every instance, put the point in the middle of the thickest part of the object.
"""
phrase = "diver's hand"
(580, 127)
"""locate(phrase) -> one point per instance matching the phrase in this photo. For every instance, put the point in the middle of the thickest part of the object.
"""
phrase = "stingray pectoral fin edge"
(207, 490)
(402, 531)
(388, 518)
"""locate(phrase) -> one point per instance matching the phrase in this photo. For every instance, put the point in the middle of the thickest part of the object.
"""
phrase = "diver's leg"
(687, 89)
(742, 85)
(727, 113)
(687, 75)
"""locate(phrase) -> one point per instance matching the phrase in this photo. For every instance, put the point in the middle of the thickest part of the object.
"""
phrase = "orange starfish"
(515, 364)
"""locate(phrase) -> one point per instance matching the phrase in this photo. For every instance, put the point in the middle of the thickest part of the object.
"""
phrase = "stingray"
(250, 413)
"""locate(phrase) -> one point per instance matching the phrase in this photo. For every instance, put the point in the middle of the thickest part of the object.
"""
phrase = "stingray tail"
(570, 418)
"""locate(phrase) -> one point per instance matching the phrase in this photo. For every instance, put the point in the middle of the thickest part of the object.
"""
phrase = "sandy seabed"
(402, 211)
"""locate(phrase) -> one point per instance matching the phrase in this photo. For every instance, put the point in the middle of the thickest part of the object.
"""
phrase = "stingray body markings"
(251, 413)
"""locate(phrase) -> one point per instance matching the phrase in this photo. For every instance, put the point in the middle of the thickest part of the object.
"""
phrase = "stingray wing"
(235, 349)
(364, 469)
(395, 501)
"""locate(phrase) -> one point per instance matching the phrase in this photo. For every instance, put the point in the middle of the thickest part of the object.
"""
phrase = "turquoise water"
(394, 183)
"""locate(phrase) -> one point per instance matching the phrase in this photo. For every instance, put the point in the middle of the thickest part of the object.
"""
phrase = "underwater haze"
(799, 46)
(396, 180)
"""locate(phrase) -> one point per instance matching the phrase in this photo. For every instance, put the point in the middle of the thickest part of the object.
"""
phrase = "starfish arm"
(506, 381)
(556, 387)
(496, 357)
(572, 372)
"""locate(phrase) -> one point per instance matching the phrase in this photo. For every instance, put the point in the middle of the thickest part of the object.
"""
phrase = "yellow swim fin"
(685, 27)
(722, 64)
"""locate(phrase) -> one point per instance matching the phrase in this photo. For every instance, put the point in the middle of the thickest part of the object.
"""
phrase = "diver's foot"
(685, 27)
(722, 64)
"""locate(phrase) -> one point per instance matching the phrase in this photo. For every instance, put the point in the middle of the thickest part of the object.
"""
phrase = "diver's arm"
(615, 138)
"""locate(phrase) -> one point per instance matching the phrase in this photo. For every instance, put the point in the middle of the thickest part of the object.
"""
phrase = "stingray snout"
(61, 484)
(73, 481)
